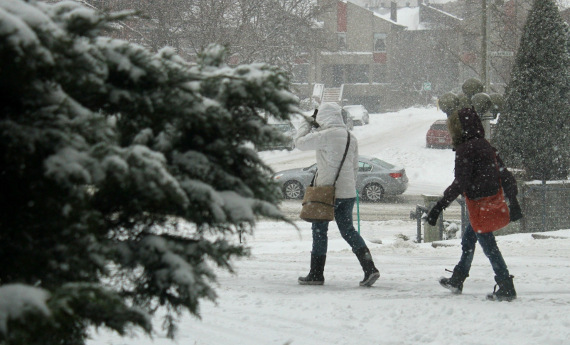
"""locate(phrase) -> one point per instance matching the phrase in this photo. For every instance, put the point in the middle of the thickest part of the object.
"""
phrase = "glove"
(515, 210)
(314, 117)
(434, 213)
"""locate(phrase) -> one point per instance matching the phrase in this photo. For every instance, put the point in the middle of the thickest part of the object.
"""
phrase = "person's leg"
(468, 243)
(318, 255)
(491, 250)
(320, 238)
(343, 216)
(506, 291)
(461, 270)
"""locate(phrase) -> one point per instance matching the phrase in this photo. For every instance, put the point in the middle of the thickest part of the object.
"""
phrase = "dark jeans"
(489, 246)
(343, 217)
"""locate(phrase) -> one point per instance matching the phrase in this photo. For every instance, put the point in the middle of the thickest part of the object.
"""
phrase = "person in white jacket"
(327, 134)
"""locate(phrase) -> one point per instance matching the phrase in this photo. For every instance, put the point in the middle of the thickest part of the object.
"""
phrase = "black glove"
(434, 213)
(314, 123)
(515, 210)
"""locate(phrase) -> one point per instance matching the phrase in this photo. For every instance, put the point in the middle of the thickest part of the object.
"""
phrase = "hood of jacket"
(465, 127)
(329, 115)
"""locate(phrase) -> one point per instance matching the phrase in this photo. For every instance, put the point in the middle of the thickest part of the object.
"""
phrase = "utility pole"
(484, 56)
(485, 78)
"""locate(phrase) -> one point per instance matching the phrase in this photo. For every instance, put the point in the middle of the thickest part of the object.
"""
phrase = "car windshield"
(439, 127)
(381, 163)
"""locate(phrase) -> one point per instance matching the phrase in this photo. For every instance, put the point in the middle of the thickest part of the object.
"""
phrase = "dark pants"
(343, 217)
(490, 248)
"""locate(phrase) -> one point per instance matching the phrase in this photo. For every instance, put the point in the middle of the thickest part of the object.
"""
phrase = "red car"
(438, 135)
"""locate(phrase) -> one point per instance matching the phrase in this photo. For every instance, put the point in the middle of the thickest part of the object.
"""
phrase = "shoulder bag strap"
(341, 163)
(343, 157)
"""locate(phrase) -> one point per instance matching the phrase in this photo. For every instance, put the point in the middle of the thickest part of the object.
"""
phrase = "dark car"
(438, 136)
(375, 179)
(289, 131)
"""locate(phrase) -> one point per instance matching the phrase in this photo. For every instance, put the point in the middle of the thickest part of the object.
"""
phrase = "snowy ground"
(263, 304)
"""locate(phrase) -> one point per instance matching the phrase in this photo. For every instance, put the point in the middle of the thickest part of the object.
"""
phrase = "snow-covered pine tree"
(125, 174)
(534, 129)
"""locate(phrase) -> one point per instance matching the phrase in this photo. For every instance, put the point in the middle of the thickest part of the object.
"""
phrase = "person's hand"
(313, 119)
(434, 213)
(515, 210)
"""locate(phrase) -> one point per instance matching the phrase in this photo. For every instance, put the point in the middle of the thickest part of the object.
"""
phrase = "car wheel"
(373, 192)
(293, 190)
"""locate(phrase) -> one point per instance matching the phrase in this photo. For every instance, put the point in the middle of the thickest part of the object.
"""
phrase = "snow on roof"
(410, 17)
(407, 16)
(444, 13)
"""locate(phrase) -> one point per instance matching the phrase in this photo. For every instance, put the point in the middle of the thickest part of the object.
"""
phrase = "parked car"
(289, 131)
(438, 136)
(375, 179)
(358, 113)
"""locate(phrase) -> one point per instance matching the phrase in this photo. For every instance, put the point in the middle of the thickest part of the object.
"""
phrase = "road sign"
(427, 86)
(502, 53)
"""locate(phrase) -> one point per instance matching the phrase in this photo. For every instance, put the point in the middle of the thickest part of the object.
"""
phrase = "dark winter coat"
(476, 173)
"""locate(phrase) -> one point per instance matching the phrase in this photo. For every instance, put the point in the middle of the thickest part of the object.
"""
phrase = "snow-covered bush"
(125, 174)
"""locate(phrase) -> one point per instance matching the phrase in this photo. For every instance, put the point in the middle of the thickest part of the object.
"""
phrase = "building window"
(341, 38)
(357, 74)
(379, 73)
(379, 42)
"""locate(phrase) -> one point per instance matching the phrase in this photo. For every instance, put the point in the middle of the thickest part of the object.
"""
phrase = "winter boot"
(315, 276)
(506, 290)
(455, 282)
(371, 274)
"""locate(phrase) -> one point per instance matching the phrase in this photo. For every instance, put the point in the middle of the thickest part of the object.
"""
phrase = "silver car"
(375, 179)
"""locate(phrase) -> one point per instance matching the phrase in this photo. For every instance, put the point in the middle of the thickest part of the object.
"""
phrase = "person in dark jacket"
(478, 168)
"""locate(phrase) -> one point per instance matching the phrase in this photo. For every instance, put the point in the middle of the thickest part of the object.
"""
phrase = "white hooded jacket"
(329, 140)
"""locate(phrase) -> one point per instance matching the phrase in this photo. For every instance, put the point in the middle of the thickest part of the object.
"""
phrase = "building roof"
(410, 17)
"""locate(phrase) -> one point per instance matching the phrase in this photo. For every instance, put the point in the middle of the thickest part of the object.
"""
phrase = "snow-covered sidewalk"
(263, 304)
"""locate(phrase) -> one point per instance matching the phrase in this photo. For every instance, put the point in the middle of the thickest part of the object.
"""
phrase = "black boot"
(371, 274)
(315, 276)
(506, 290)
(455, 282)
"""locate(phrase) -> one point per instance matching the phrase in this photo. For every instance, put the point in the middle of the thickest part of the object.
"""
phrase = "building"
(394, 54)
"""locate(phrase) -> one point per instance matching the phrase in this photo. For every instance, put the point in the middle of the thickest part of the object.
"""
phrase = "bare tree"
(271, 31)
